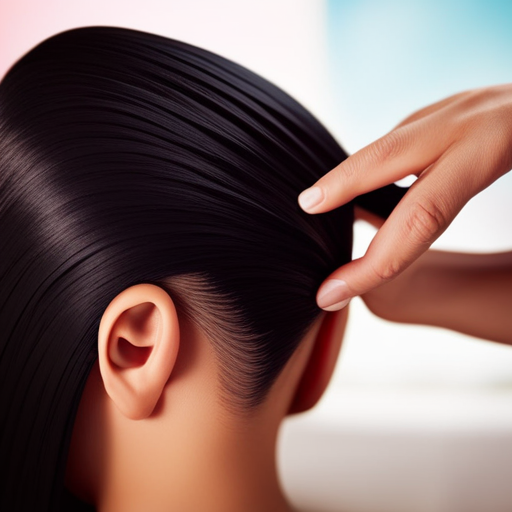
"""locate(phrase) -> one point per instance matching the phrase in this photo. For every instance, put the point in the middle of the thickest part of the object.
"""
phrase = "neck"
(208, 468)
(189, 455)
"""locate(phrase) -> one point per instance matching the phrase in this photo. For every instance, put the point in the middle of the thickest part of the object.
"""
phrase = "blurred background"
(416, 419)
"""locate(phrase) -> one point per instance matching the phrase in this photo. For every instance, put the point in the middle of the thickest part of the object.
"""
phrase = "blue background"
(390, 58)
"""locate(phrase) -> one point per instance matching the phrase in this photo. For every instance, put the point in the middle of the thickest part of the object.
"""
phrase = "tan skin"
(457, 147)
(151, 431)
(468, 293)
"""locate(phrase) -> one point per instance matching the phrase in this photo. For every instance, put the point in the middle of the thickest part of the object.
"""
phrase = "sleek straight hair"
(126, 158)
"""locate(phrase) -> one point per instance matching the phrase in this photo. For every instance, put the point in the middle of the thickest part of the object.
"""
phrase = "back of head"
(128, 158)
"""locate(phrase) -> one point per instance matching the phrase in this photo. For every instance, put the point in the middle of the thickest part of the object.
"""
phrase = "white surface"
(410, 462)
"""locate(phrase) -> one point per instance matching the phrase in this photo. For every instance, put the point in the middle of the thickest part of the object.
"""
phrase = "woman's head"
(128, 158)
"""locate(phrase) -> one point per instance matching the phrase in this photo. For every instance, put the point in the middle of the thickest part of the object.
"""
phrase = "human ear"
(321, 362)
(138, 342)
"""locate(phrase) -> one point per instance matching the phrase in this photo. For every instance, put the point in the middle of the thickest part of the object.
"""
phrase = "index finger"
(404, 151)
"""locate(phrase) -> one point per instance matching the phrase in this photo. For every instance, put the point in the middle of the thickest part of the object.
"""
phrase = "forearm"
(468, 293)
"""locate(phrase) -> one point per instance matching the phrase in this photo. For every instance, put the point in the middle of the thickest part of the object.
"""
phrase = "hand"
(456, 147)
(467, 293)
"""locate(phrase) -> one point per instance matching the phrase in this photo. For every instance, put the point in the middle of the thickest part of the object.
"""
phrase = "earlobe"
(321, 363)
(138, 342)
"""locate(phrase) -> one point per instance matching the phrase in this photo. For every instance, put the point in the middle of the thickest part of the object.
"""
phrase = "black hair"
(126, 158)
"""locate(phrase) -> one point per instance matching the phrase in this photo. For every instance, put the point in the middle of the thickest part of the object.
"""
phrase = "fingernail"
(310, 197)
(333, 295)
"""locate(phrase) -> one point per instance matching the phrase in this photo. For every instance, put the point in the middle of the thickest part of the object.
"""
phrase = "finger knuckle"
(388, 270)
(477, 102)
(425, 222)
(497, 140)
(473, 98)
(389, 146)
